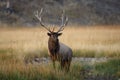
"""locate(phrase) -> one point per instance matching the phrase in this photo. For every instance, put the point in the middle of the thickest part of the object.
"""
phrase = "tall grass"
(17, 44)
(12, 68)
(85, 41)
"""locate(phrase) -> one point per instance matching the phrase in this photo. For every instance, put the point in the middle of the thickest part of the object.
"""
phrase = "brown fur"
(54, 46)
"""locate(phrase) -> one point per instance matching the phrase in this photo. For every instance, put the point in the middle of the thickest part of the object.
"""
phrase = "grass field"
(18, 43)
(85, 41)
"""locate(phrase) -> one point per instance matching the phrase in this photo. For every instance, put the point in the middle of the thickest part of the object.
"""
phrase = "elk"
(57, 50)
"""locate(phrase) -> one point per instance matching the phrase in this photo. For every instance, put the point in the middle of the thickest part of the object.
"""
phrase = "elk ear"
(59, 34)
(48, 34)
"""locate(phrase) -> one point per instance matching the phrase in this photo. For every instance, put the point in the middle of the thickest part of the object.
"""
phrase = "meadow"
(21, 43)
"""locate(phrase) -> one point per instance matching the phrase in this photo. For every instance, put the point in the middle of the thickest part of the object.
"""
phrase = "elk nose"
(55, 37)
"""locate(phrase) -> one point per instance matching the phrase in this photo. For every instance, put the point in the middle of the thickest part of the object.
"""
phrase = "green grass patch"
(94, 53)
(112, 67)
(6, 50)
(83, 53)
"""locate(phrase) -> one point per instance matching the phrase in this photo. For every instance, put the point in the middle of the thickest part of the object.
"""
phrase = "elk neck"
(53, 46)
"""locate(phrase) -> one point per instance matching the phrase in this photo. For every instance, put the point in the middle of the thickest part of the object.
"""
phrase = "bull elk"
(57, 50)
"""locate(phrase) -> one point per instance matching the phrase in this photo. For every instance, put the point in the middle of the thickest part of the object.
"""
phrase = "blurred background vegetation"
(80, 12)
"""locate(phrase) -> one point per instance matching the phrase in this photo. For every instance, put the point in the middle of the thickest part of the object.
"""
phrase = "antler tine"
(53, 28)
(63, 24)
(38, 16)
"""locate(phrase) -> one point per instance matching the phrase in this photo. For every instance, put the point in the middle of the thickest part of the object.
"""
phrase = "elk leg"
(61, 64)
(54, 64)
(67, 65)
(53, 61)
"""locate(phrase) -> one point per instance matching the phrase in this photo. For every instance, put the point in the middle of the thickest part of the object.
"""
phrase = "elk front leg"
(61, 64)
(68, 66)
(53, 61)
(53, 64)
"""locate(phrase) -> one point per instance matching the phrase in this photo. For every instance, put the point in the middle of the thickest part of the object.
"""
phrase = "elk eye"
(59, 34)
(48, 34)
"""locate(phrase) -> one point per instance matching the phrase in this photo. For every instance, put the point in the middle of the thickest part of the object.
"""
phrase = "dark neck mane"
(53, 46)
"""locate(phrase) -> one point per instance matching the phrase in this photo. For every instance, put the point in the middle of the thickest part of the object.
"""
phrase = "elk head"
(51, 33)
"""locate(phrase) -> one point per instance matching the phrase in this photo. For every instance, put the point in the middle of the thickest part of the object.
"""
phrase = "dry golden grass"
(97, 39)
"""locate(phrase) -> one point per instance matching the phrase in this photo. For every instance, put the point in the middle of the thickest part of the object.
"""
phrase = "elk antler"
(38, 16)
(63, 24)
